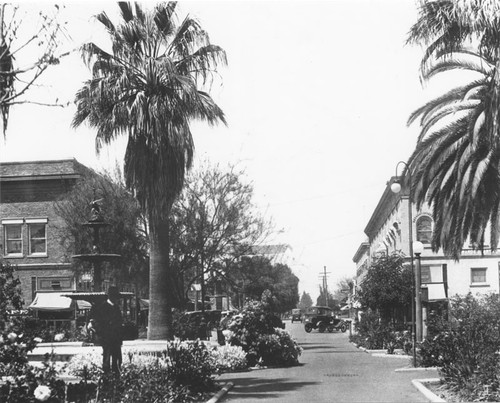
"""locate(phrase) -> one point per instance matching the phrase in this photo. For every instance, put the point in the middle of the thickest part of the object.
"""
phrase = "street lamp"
(418, 248)
(396, 188)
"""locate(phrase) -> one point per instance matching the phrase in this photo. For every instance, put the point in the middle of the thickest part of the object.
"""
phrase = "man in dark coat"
(108, 325)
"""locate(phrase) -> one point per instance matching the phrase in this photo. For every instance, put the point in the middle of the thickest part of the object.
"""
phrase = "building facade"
(390, 229)
(31, 230)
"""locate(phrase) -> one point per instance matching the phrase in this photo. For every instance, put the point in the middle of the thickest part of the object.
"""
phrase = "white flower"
(42, 393)
(59, 337)
(12, 337)
(37, 340)
(228, 334)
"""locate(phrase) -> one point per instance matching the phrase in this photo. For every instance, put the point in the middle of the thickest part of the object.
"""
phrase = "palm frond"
(126, 10)
(104, 20)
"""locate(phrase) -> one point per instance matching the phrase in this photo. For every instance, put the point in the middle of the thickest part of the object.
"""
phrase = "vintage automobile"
(322, 318)
(296, 315)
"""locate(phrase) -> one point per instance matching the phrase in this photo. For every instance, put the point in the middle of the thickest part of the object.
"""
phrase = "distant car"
(296, 315)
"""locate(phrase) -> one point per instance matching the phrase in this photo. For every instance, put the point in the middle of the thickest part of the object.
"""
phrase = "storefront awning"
(435, 292)
(83, 305)
(52, 301)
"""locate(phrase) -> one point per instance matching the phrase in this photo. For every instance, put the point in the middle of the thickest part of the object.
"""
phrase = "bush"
(373, 334)
(182, 373)
(190, 365)
(194, 325)
(228, 358)
(39, 328)
(23, 382)
(259, 332)
(370, 332)
(466, 347)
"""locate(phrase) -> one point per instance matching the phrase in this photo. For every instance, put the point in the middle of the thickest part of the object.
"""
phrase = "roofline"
(387, 197)
(362, 247)
(37, 161)
(38, 178)
(12, 178)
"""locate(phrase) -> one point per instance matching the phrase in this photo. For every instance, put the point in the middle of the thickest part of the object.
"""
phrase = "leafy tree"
(214, 222)
(387, 287)
(305, 301)
(343, 288)
(150, 87)
(29, 41)
(331, 302)
(10, 293)
(455, 164)
(257, 275)
(126, 234)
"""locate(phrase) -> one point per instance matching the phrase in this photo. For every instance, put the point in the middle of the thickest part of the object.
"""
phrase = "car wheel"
(308, 328)
(321, 328)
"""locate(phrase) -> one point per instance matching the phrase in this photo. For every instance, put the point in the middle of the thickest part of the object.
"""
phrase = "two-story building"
(31, 231)
(388, 230)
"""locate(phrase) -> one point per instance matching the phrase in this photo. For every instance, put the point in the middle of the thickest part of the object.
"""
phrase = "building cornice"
(385, 205)
(30, 266)
(363, 247)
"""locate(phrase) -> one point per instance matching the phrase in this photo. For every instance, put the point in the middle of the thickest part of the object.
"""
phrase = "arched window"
(424, 229)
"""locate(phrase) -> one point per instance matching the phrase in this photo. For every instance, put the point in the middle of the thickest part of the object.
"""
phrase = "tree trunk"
(160, 283)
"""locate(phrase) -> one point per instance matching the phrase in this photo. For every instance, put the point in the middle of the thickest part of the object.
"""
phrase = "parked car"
(296, 315)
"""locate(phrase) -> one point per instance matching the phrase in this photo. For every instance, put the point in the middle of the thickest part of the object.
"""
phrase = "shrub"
(23, 382)
(87, 366)
(193, 325)
(181, 373)
(258, 331)
(190, 365)
(372, 333)
(39, 328)
(466, 347)
(228, 358)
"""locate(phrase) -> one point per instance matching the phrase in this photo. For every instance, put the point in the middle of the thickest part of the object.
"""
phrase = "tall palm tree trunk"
(160, 298)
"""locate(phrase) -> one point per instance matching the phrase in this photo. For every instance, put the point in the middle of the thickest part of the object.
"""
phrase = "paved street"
(331, 370)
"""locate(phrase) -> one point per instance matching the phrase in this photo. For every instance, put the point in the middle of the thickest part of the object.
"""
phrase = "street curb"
(416, 369)
(419, 384)
(390, 355)
(215, 398)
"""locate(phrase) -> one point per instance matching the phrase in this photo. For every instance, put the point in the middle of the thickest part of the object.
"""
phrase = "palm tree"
(455, 166)
(150, 87)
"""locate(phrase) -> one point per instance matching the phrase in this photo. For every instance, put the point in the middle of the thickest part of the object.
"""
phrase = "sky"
(316, 94)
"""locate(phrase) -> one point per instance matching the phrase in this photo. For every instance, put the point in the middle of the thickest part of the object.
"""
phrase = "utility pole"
(325, 284)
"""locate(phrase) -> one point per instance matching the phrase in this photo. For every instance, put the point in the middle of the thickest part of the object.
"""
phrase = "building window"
(54, 283)
(13, 239)
(38, 238)
(426, 274)
(424, 229)
(478, 275)
(432, 274)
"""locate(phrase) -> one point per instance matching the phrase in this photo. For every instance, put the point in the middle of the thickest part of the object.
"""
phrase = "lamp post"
(418, 248)
(396, 188)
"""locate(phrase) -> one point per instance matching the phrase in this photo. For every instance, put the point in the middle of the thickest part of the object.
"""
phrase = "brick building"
(31, 229)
